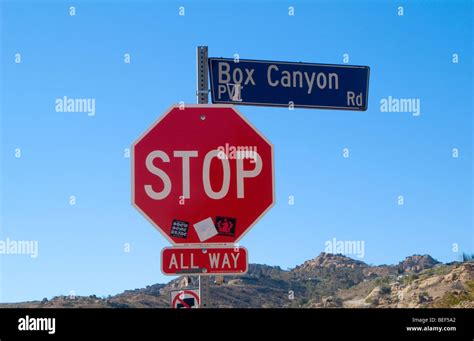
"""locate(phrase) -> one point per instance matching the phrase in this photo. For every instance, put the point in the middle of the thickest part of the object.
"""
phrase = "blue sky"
(81, 247)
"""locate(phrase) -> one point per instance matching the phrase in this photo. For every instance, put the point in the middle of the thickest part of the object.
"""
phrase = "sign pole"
(203, 234)
(203, 98)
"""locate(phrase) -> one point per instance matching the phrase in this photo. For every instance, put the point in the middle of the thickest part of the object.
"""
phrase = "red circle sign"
(202, 174)
(181, 296)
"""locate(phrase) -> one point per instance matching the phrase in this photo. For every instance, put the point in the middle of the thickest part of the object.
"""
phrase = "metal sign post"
(203, 98)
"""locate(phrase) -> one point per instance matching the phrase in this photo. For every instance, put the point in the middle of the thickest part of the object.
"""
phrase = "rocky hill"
(326, 281)
(417, 263)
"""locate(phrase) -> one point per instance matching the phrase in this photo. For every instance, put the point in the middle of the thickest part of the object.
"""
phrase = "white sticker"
(205, 229)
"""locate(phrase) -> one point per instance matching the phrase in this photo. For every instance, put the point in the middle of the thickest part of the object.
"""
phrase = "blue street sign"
(285, 84)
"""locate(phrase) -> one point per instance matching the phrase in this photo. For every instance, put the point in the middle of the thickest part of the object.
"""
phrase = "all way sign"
(285, 84)
(204, 261)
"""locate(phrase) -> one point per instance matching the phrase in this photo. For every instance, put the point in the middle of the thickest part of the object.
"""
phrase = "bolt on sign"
(202, 175)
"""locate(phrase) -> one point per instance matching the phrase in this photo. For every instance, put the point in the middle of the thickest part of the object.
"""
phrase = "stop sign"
(202, 174)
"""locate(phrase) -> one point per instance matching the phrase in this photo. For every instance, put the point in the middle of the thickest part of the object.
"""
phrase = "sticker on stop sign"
(202, 174)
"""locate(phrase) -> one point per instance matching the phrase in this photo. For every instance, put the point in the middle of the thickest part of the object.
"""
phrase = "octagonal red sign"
(202, 174)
